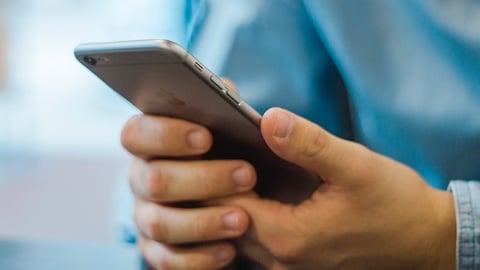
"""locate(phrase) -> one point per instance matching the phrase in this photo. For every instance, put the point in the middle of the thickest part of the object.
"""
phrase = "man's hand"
(370, 213)
(167, 175)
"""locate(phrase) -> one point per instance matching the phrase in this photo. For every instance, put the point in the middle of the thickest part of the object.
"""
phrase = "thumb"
(304, 143)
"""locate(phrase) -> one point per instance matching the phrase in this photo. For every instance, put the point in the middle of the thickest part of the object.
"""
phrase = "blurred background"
(60, 153)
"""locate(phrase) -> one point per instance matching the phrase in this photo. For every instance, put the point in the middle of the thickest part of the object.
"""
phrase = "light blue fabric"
(402, 77)
(467, 207)
(411, 70)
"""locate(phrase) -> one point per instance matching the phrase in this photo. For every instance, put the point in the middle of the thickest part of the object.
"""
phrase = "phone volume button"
(234, 97)
(216, 82)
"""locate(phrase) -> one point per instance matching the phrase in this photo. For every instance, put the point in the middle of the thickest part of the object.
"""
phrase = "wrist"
(444, 239)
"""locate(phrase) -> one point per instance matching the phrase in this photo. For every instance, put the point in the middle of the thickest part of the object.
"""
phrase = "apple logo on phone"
(151, 100)
(169, 98)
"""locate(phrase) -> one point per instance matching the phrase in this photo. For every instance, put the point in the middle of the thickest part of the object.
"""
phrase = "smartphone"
(160, 77)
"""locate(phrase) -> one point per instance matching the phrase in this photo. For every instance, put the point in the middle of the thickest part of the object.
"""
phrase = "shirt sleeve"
(467, 206)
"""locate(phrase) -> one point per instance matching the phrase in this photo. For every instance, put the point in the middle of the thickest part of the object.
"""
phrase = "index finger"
(154, 136)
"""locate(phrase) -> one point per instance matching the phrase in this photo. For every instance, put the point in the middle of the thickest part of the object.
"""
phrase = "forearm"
(467, 206)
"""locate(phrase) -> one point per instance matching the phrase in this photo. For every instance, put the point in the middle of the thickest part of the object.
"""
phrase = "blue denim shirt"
(467, 207)
(402, 77)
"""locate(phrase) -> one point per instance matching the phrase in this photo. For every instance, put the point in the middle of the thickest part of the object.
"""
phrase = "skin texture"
(370, 213)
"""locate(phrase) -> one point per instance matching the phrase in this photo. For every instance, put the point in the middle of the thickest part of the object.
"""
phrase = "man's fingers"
(149, 136)
(268, 229)
(174, 181)
(207, 256)
(308, 145)
(171, 225)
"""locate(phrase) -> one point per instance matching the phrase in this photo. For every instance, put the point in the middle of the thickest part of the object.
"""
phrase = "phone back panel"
(161, 78)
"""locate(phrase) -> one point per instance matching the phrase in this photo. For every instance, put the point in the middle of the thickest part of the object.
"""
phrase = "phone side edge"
(205, 74)
(163, 45)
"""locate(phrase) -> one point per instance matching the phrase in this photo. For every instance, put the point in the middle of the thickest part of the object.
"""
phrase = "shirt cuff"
(467, 208)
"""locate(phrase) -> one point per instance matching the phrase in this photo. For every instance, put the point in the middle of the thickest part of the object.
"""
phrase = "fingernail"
(241, 177)
(230, 221)
(197, 139)
(283, 125)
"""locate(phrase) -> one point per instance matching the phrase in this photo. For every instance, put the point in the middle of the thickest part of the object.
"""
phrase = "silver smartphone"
(160, 77)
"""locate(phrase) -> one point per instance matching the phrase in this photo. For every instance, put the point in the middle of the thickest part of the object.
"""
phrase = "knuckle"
(200, 229)
(157, 258)
(316, 143)
(147, 220)
(147, 180)
(365, 170)
(156, 183)
(158, 230)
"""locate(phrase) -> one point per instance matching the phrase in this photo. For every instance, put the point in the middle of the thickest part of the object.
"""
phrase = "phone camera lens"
(90, 60)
